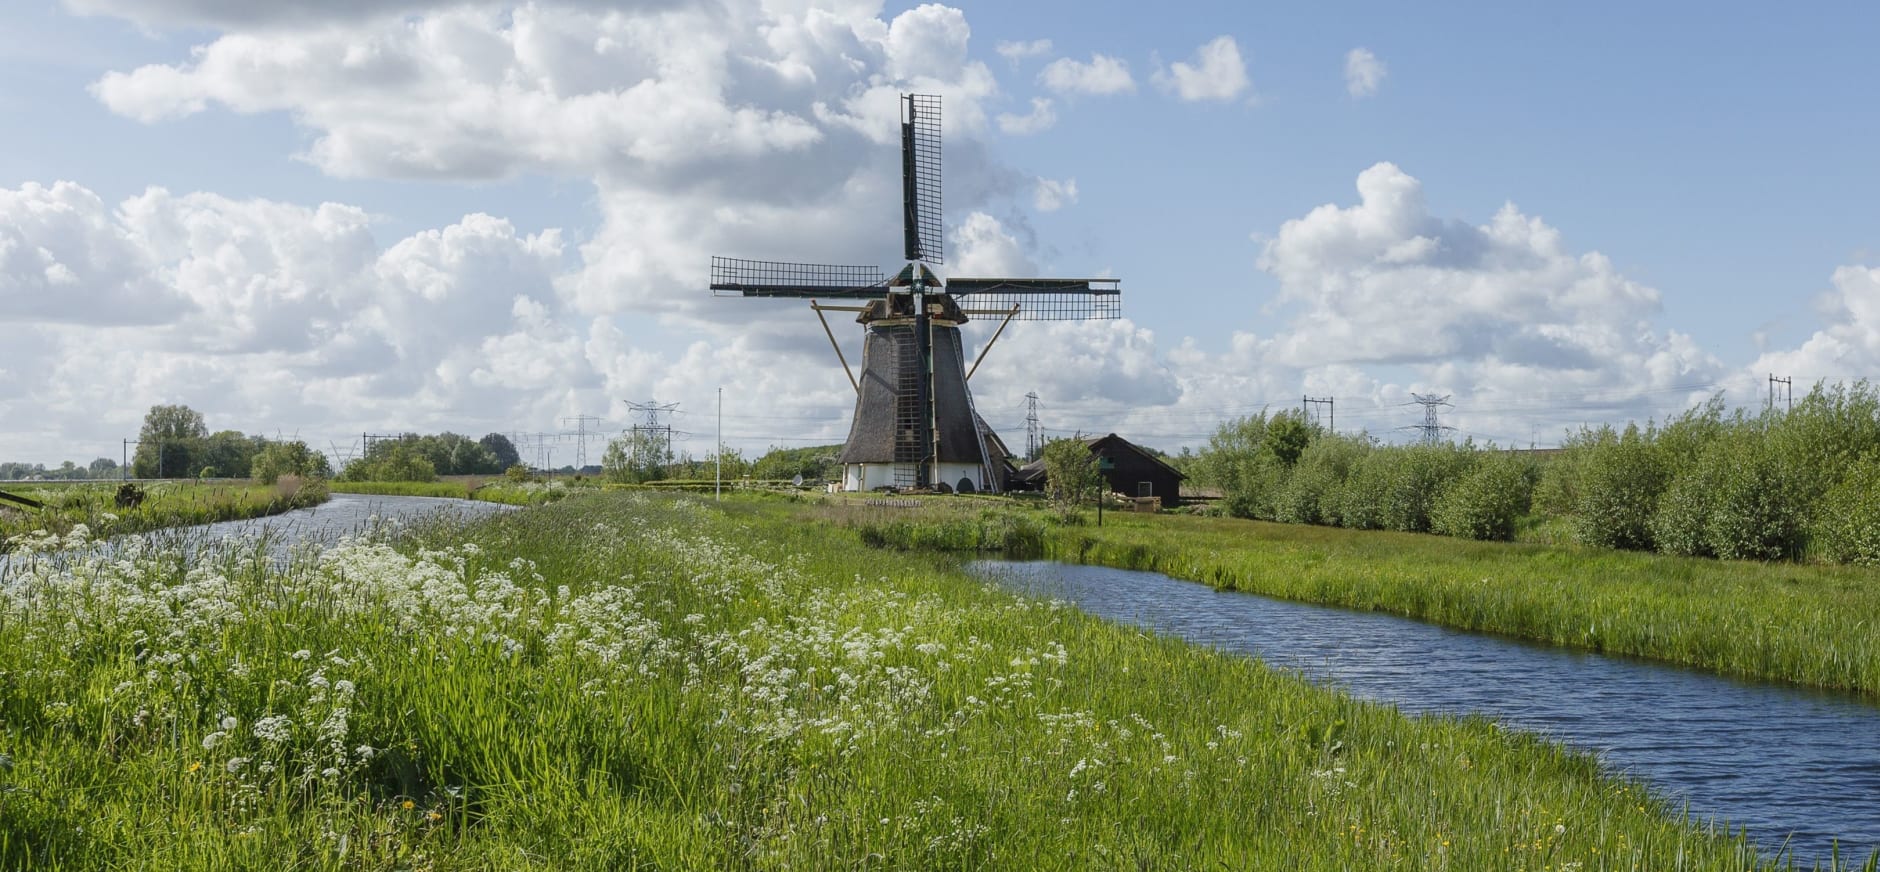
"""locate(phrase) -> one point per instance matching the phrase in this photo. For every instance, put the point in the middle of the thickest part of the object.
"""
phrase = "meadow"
(624, 680)
(165, 504)
(1804, 624)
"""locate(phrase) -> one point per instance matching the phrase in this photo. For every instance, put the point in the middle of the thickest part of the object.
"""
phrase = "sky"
(374, 216)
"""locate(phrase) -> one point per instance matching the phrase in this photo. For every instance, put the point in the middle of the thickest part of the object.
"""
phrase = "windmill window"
(1145, 488)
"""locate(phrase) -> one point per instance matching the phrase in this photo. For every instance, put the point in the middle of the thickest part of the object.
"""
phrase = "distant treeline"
(414, 457)
(1775, 485)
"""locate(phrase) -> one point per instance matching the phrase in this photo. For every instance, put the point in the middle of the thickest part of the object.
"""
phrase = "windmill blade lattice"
(920, 177)
(733, 276)
(1042, 299)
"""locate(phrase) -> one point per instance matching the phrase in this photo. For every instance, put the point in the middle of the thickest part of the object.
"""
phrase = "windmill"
(914, 425)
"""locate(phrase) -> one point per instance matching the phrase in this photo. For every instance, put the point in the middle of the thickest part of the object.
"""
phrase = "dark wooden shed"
(1129, 470)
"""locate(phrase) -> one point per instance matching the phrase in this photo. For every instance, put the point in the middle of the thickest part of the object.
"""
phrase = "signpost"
(1104, 464)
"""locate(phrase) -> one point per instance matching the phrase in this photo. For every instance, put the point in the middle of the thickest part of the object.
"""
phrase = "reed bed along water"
(162, 505)
(625, 680)
(515, 493)
(1813, 625)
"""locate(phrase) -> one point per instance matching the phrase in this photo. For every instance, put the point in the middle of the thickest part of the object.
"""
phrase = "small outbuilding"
(1128, 468)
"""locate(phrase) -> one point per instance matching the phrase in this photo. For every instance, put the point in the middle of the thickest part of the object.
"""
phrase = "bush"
(1847, 527)
(1619, 489)
(1422, 474)
(1759, 505)
(1360, 499)
(1486, 503)
(1310, 496)
(1257, 483)
(1684, 509)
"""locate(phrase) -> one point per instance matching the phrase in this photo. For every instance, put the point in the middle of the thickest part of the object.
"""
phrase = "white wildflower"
(235, 764)
(302, 654)
(213, 739)
(229, 722)
(274, 728)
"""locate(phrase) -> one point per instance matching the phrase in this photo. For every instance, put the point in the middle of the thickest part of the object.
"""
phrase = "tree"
(1070, 472)
(230, 453)
(502, 449)
(1287, 436)
(288, 458)
(103, 467)
(637, 456)
(170, 443)
(399, 461)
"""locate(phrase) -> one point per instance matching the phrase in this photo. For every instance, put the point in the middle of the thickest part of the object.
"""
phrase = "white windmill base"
(868, 476)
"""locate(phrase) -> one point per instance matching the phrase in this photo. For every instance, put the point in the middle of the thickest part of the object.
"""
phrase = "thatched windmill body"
(915, 426)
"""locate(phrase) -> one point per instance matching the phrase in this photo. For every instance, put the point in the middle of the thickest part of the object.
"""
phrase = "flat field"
(622, 680)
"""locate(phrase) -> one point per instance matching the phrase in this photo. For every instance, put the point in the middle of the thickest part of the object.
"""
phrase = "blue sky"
(1568, 215)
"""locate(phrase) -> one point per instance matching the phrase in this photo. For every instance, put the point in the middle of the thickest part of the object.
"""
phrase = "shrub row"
(1779, 485)
(1776, 485)
(1282, 469)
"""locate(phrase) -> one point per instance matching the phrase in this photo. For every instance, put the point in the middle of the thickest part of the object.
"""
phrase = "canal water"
(341, 515)
(346, 515)
(1790, 765)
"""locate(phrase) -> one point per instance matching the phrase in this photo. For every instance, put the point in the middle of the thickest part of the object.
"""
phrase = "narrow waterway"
(345, 515)
(341, 515)
(1790, 765)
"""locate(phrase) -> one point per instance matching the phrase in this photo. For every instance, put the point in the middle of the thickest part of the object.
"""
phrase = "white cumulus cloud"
(1100, 76)
(1053, 194)
(1364, 73)
(1215, 73)
(1039, 119)
(1019, 50)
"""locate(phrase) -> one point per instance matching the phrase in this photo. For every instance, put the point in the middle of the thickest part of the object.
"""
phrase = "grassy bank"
(622, 680)
(515, 493)
(455, 489)
(165, 505)
(1812, 625)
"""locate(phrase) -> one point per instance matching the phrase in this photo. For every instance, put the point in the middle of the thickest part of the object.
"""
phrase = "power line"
(581, 434)
(1034, 430)
(1431, 429)
(1331, 411)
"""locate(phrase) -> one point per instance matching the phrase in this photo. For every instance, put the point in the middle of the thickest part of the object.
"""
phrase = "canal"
(1793, 766)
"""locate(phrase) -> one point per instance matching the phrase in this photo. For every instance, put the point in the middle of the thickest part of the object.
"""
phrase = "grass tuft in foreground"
(625, 681)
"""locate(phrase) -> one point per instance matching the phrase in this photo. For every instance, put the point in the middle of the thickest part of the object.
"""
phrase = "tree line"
(415, 457)
(1773, 484)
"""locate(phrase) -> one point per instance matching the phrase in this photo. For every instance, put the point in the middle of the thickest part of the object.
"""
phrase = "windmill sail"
(920, 177)
(772, 278)
(1041, 299)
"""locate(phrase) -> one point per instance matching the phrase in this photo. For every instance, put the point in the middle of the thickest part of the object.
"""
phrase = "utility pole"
(718, 457)
(1331, 410)
(650, 432)
(581, 434)
(1788, 391)
(1431, 429)
(1032, 430)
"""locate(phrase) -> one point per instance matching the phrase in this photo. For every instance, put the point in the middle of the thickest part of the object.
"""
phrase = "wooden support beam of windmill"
(832, 338)
(1009, 315)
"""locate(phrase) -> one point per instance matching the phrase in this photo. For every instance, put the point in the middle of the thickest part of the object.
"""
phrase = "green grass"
(523, 493)
(166, 504)
(454, 489)
(619, 681)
